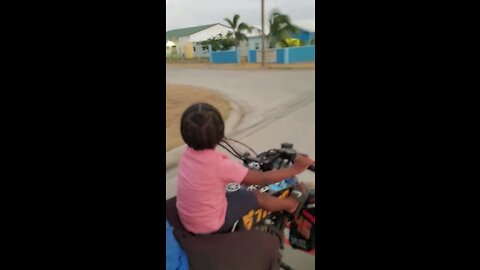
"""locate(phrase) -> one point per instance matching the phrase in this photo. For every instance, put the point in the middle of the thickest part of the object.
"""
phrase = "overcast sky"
(187, 13)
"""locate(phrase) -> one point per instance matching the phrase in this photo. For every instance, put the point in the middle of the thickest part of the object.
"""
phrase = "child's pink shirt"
(201, 194)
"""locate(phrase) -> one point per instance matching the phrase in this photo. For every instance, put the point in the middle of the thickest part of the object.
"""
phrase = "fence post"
(286, 55)
(210, 50)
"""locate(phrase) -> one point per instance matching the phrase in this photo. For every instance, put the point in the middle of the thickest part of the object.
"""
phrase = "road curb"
(173, 156)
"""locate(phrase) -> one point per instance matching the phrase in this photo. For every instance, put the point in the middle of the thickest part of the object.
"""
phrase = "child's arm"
(269, 177)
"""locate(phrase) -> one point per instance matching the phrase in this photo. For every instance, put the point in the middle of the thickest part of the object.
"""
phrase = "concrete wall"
(270, 56)
(243, 48)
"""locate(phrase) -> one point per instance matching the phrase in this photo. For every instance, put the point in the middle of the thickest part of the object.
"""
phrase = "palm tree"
(280, 28)
(238, 29)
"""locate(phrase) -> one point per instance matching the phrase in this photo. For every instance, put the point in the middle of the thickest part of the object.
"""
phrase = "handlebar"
(271, 159)
(312, 167)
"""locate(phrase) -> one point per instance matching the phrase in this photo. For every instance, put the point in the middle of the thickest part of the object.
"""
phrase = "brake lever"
(311, 167)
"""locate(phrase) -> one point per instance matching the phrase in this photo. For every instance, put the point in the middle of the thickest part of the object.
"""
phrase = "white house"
(194, 35)
(169, 46)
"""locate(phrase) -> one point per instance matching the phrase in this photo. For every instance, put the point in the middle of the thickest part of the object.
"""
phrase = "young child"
(203, 204)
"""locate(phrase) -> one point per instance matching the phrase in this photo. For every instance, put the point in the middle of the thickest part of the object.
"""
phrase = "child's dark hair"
(202, 126)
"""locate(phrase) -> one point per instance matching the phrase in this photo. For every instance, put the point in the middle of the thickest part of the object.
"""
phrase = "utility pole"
(263, 33)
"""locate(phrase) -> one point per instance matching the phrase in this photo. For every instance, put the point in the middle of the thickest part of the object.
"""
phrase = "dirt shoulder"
(178, 98)
(242, 66)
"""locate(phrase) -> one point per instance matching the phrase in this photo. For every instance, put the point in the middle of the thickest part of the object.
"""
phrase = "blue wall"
(225, 57)
(301, 54)
(252, 56)
(280, 56)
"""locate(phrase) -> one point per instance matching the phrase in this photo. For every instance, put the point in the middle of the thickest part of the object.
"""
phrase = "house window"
(205, 48)
(193, 48)
(257, 46)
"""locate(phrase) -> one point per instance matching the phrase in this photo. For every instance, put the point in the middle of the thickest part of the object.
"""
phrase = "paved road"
(278, 106)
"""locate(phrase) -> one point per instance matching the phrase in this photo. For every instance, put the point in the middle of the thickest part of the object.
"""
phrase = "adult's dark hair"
(202, 126)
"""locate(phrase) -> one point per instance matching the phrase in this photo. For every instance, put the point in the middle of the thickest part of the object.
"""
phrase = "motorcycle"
(258, 226)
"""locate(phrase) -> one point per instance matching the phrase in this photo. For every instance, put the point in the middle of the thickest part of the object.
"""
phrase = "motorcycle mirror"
(287, 145)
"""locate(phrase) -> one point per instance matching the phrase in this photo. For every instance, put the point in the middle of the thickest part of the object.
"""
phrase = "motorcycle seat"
(237, 250)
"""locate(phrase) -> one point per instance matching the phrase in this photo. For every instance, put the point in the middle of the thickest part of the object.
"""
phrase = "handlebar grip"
(312, 167)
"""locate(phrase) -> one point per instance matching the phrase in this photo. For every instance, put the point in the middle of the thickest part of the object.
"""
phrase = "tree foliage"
(220, 42)
(238, 29)
(280, 27)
